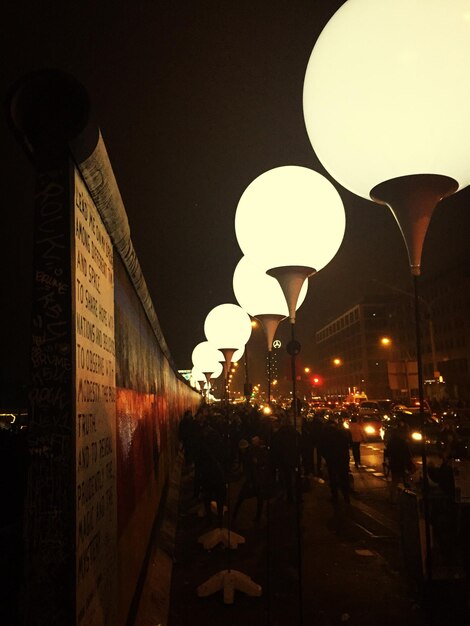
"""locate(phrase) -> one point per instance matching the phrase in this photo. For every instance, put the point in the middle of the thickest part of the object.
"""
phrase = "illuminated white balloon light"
(291, 220)
(217, 372)
(206, 357)
(386, 92)
(290, 216)
(227, 326)
(197, 378)
(259, 294)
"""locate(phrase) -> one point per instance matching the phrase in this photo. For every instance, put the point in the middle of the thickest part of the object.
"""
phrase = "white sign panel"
(96, 512)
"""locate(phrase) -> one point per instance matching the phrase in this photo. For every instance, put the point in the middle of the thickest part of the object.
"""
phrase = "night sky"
(194, 99)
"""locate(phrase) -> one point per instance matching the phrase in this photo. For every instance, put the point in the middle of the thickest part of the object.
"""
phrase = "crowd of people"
(226, 442)
(271, 454)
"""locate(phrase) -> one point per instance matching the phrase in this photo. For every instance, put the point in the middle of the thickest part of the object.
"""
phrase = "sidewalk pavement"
(344, 577)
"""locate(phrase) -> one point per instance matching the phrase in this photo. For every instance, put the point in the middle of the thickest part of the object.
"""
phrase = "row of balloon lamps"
(289, 224)
(385, 104)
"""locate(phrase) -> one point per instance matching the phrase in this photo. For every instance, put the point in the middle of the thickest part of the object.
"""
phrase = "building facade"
(371, 346)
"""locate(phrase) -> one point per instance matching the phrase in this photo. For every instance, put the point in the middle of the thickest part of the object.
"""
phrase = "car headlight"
(370, 430)
(416, 436)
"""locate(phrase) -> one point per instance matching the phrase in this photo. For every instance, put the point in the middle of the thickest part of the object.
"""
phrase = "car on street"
(342, 416)
(417, 427)
(376, 407)
(323, 411)
(372, 426)
(415, 402)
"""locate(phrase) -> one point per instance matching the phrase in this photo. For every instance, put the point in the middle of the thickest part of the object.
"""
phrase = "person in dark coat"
(334, 446)
(285, 454)
(307, 446)
(357, 437)
(316, 428)
(400, 459)
(212, 461)
(256, 474)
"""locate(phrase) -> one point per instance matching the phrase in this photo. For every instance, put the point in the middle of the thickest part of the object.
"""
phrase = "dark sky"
(194, 99)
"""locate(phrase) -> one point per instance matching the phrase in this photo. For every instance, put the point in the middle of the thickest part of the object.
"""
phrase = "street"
(348, 560)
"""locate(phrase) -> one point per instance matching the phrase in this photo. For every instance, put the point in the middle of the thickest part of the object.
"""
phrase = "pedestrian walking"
(316, 430)
(357, 437)
(307, 446)
(399, 458)
(285, 454)
(212, 463)
(334, 447)
(256, 475)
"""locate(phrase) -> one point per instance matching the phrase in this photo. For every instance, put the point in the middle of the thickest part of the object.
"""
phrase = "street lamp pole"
(407, 152)
(305, 205)
(291, 279)
(247, 393)
(261, 296)
(269, 323)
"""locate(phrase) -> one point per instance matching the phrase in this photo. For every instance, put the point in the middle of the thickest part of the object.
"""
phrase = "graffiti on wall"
(150, 399)
(95, 429)
(49, 501)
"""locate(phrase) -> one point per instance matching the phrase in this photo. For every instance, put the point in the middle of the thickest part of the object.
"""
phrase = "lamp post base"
(229, 581)
(221, 535)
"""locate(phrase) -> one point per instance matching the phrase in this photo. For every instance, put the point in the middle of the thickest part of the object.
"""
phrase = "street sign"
(293, 347)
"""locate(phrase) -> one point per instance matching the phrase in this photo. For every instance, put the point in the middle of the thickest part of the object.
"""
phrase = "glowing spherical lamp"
(197, 379)
(290, 215)
(257, 292)
(385, 105)
(372, 107)
(291, 220)
(206, 357)
(227, 326)
(261, 295)
(218, 371)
